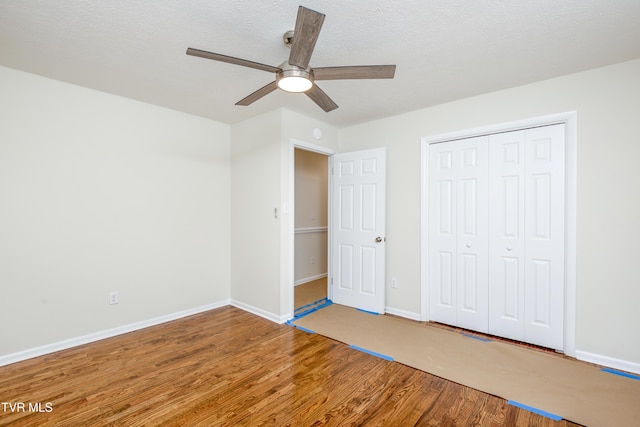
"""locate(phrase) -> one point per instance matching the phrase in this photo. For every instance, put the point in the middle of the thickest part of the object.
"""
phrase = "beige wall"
(607, 101)
(100, 193)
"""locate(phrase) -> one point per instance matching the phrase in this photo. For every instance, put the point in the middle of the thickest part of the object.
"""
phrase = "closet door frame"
(569, 119)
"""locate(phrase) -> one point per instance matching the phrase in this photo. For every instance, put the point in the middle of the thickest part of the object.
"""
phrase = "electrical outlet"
(313, 260)
(113, 298)
(394, 283)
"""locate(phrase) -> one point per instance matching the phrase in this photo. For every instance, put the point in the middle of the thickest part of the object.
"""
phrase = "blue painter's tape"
(290, 323)
(309, 331)
(535, 410)
(621, 373)
(312, 310)
(320, 301)
(476, 337)
(368, 312)
(373, 353)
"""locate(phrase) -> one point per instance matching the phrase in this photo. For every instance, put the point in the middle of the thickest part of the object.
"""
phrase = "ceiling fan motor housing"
(287, 38)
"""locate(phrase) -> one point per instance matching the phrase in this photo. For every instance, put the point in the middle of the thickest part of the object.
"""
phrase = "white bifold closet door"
(496, 234)
(526, 235)
(458, 233)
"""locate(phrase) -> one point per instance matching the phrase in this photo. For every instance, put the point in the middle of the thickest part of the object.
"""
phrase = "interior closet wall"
(311, 186)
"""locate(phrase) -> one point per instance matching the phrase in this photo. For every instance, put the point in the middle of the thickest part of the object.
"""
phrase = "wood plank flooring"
(228, 367)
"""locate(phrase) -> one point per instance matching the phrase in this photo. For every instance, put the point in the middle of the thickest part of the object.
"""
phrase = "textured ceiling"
(444, 49)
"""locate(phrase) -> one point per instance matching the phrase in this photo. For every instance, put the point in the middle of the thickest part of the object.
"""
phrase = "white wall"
(262, 158)
(101, 193)
(607, 101)
(255, 194)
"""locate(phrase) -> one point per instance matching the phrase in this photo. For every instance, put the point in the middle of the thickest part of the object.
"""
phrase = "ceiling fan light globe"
(294, 79)
(295, 84)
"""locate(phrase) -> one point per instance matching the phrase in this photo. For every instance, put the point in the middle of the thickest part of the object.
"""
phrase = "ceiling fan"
(295, 74)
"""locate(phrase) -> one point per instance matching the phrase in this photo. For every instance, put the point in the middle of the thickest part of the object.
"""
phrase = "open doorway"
(311, 221)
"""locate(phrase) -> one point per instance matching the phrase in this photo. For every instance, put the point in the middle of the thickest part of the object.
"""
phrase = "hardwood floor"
(228, 367)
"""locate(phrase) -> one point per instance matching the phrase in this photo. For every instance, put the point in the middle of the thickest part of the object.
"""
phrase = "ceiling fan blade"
(305, 35)
(231, 60)
(355, 72)
(265, 90)
(321, 98)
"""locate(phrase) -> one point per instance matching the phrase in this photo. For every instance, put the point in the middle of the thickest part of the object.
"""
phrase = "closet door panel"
(458, 254)
(544, 236)
(506, 234)
(472, 234)
(442, 232)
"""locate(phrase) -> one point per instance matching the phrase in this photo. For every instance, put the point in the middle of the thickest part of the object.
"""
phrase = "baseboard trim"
(610, 362)
(309, 279)
(97, 336)
(260, 312)
(402, 313)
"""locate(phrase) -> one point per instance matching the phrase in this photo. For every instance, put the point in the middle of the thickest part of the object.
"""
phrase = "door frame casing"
(320, 149)
(569, 119)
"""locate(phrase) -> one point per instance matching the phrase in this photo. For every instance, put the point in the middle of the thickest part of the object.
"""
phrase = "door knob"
(468, 245)
(378, 239)
(509, 248)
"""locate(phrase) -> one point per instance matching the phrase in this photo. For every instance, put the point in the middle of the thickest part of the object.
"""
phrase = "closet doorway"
(311, 221)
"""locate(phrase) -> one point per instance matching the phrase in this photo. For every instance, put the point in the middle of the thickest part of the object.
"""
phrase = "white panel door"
(526, 251)
(458, 255)
(358, 229)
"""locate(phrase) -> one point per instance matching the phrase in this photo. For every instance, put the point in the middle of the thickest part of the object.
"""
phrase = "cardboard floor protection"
(554, 385)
